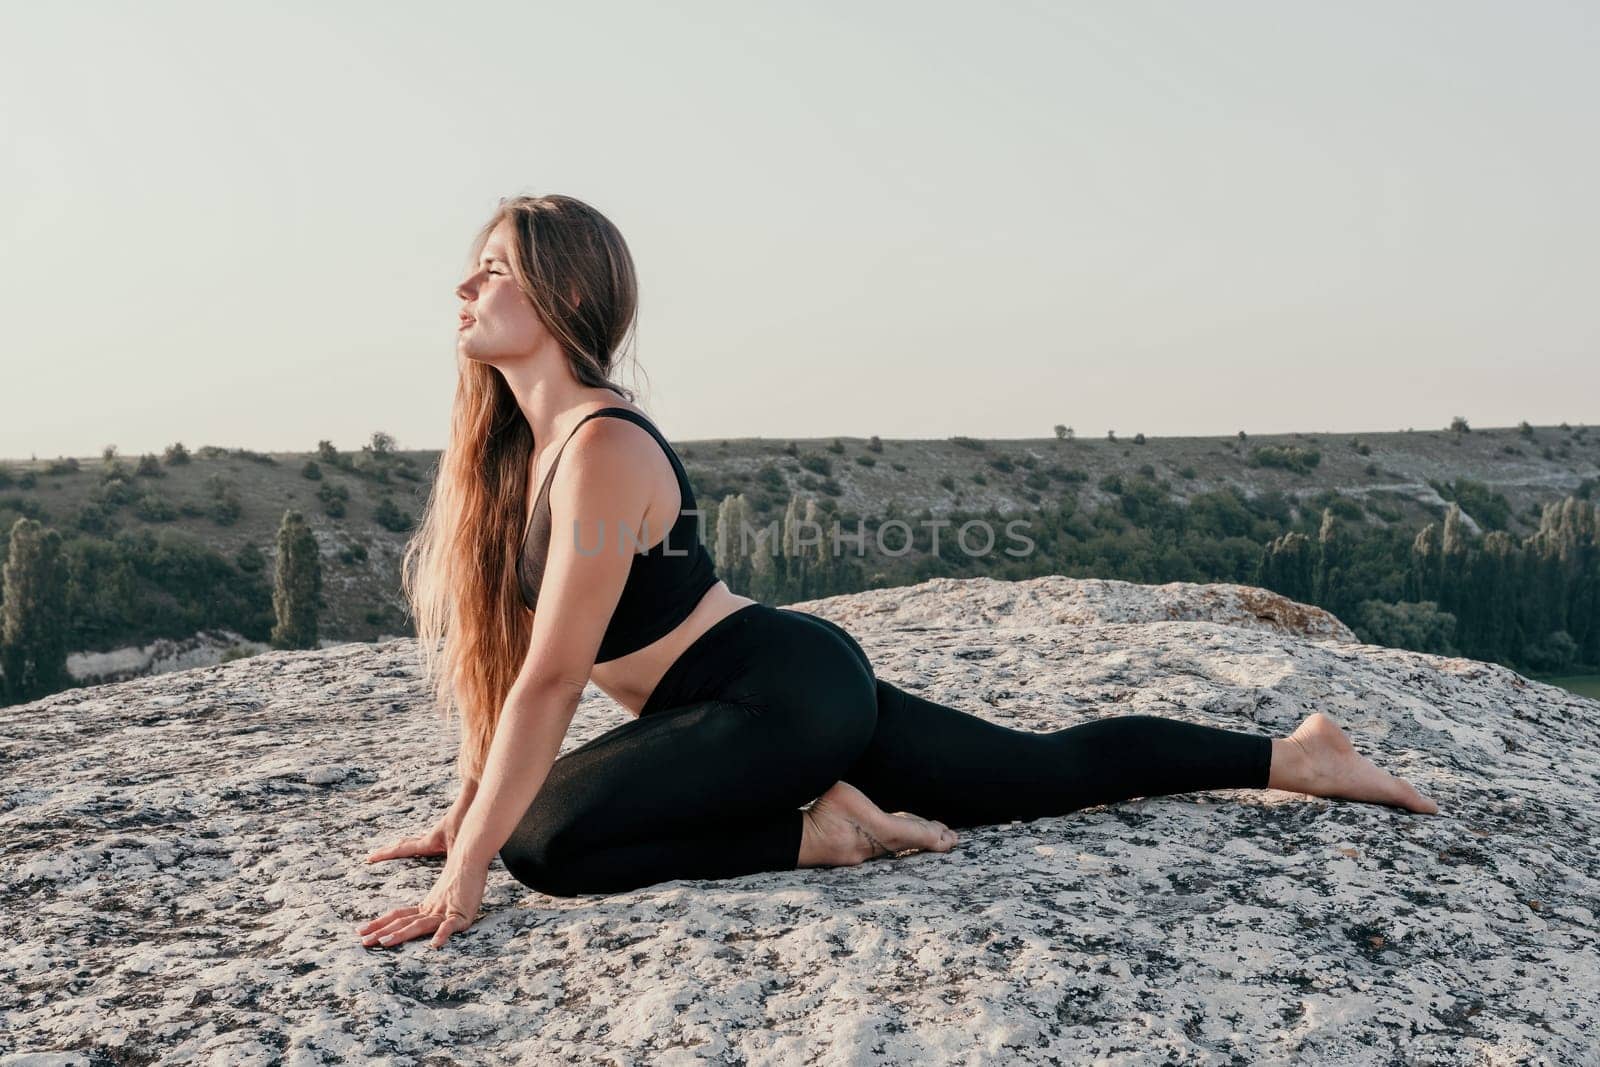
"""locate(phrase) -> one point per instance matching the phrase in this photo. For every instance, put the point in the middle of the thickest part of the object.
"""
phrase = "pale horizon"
(1176, 221)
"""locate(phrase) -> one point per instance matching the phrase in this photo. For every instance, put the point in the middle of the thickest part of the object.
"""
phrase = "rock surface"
(182, 871)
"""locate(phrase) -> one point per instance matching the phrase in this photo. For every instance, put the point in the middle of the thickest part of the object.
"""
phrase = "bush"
(116, 493)
(770, 477)
(1148, 470)
(979, 479)
(1036, 480)
(1186, 473)
(1138, 438)
(968, 442)
(836, 447)
(947, 482)
(898, 466)
(64, 465)
(226, 509)
(92, 517)
(873, 444)
(1491, 509)
(175, 455)
(149, 467)
(334, 498)
(1524, 430)
(817, 464)
(1420, 627)
(250, 559)
(1066, 474)
(1557, 652)
(1289, 457)
(390, 517)
(1112, 483)
(1001, 464)
(866, 461)
(314, 472)
(153, 507)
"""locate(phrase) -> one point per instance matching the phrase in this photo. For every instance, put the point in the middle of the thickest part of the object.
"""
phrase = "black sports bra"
(661, 590)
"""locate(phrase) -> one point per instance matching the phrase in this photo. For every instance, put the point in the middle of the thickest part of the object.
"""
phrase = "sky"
(242, 225)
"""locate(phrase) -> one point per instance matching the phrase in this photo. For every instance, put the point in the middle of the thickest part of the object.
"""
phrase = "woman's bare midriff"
(630, 679)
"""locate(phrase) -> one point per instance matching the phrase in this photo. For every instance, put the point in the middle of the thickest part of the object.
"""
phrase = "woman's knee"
(537, 853)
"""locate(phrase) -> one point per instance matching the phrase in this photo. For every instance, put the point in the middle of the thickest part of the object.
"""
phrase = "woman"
(742, 712)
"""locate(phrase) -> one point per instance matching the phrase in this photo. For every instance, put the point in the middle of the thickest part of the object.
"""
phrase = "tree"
(732, 564)
(1422, 577)
(1287, 567)
(1333, 561)
(33, 622)
(297, 585)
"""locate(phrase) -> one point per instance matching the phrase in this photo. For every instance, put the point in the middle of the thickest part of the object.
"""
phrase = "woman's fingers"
(390, 851)
(421, 845)
(406, 929)
(384, 919)
(453, 924)
(403, 924)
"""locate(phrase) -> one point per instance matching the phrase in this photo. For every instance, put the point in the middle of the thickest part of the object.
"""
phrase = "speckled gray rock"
(182, 872)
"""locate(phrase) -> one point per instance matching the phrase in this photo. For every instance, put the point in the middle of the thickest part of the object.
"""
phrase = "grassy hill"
(232, 500)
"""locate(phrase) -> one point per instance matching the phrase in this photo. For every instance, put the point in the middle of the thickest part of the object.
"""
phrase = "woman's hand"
(435, 842)
(450, 908)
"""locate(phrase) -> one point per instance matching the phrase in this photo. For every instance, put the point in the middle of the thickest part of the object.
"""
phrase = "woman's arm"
(526, 741)
(606, 483)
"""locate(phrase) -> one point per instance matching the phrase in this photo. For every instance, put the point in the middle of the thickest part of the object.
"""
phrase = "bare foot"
(1318, 758)
(843, 827)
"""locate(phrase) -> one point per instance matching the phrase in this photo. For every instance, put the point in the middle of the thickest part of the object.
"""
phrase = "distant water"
(1585, 685)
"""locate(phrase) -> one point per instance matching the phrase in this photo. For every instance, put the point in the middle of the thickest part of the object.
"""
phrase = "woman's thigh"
(805, 711)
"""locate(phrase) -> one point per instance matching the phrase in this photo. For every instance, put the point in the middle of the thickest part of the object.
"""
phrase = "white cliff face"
(183, 874)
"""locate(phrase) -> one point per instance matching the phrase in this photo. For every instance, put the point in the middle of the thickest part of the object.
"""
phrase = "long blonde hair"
(459, 569)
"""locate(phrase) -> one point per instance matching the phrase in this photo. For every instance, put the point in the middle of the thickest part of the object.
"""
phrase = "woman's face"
(498, 322)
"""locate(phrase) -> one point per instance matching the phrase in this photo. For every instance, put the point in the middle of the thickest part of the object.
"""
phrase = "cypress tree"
(297, 584)
(1332, 563)
(732, 557)
(33, 622)
(1287, 567)
(1422, 578)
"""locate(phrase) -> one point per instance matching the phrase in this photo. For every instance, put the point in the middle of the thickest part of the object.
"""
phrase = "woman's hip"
(772, 658)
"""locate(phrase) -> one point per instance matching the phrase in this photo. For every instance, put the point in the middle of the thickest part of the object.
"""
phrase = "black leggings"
(768, 708)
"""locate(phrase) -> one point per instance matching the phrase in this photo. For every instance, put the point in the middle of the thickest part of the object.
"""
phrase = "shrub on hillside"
(1288, 457)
